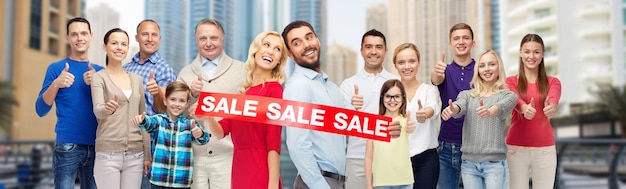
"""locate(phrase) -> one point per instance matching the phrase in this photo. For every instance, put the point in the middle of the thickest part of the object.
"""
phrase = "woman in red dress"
(256, 161)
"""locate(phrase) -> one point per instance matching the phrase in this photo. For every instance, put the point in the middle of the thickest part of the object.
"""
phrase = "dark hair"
(210, 22)
(148, 20)
(461, 26)
(542, 76)
(106, 40)
(294, 25)
(177, 86)
(77, 19)
(386, 86)
(376, 33)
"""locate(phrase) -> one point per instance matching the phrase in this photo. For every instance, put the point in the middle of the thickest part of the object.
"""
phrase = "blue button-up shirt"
(313, 151)
(163, 75)
(208, 66)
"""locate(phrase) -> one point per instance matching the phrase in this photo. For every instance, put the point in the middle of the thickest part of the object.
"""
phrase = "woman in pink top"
(530, 138)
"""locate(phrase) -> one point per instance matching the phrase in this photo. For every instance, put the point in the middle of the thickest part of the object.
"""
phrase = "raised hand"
(151, 85)
(447, 112)
(529, 110)
(65, 79)
(549, 109)
(111, 106)
(138, 119)
(420, 114)
(394, 128)
(410, 124)
(196, 86)
(88, 74)
(482, 111)
(440, 67)
(357, 100)
(195, 131)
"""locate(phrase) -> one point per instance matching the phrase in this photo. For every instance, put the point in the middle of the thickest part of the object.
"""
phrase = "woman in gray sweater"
(485, 106)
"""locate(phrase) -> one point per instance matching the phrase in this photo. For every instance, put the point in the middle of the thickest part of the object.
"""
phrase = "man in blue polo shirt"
(451, 79)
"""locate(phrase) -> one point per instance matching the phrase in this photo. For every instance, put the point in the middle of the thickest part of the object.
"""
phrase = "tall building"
(105, 18)
(314, 12)
(581, 53)
(427, 25)
(33, 36)
(495, 16)
(341, 63)
(171, 16)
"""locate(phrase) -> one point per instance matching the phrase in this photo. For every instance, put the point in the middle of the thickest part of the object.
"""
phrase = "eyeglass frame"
(389, 98)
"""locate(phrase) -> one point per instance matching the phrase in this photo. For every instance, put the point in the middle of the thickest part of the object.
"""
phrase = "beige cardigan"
(228, 77)
(115, 133)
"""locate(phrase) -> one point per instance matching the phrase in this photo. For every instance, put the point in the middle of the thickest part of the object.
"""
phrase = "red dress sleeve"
(225, 123)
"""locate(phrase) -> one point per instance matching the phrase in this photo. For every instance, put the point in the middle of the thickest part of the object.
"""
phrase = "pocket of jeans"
(139, 155)
(103, 156)
(511, 151)
(64, 147)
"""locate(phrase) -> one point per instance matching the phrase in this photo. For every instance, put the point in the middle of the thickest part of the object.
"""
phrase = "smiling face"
(304, 47)
(117, 46)
(488, 68)
(393, 100)
(148, 37)
(461, 42)
(79, 36)
(269, 53)
(209, 40)
(407, 63)
(373, 51)
(531, 54)
(176, 102)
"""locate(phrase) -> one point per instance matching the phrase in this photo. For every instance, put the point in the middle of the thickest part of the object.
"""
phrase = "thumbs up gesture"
(138, 119)
(87, 75)
(549, 109)
(151, 85)
(529, 110)
(420, 114)
(440, 67)
(111, 106)
(410, 124)
(484, 112)
(195, 130)
(196, 86)
(65, 79)
(447, 112)
(357, 100)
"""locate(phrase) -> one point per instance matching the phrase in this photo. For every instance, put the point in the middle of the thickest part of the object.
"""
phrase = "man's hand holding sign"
(297, 114)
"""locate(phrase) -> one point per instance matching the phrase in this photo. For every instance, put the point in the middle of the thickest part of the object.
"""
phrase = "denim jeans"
(425, 169)
(162, 187)
(485, 175)
(449, 165)
(70, 160)
(395, 187)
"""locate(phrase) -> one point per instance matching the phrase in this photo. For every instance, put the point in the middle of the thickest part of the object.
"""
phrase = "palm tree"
(7, 100)
(614, 100)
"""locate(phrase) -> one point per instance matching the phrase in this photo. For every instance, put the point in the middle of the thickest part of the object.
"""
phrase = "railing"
(596, 157)
(24, 163)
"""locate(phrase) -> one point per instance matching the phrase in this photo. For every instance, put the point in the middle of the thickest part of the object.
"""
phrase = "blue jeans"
(485, 175)
(70, 159)
(425, 169)
(449, 165)
(163, 187)
(395, 187)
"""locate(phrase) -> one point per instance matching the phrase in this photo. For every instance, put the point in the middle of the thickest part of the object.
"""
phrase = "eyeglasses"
(397, 98)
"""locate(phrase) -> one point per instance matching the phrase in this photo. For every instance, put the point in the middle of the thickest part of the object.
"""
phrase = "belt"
(335, 176)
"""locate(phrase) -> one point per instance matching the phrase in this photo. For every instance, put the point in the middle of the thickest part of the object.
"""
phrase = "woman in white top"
(423, 106)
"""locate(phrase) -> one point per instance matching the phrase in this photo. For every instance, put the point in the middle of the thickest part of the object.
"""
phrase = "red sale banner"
(295, 114)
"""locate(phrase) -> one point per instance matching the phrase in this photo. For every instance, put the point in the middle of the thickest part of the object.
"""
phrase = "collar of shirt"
(310, 73)
(470, 66)
(180, 119)
(206, 61)
(154, 58)
(383, 74)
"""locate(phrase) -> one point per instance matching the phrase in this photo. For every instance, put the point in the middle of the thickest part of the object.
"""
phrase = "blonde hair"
(477, 83)
(250, 65)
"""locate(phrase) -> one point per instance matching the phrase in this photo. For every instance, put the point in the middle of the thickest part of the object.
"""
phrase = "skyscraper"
(174, 26)
(341, 63)
(105, 18)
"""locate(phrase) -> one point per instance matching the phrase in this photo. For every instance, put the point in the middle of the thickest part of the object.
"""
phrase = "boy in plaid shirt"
(172, 159)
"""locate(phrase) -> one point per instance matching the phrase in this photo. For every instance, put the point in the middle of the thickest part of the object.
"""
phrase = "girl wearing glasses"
(485, 106)
(389, 165)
